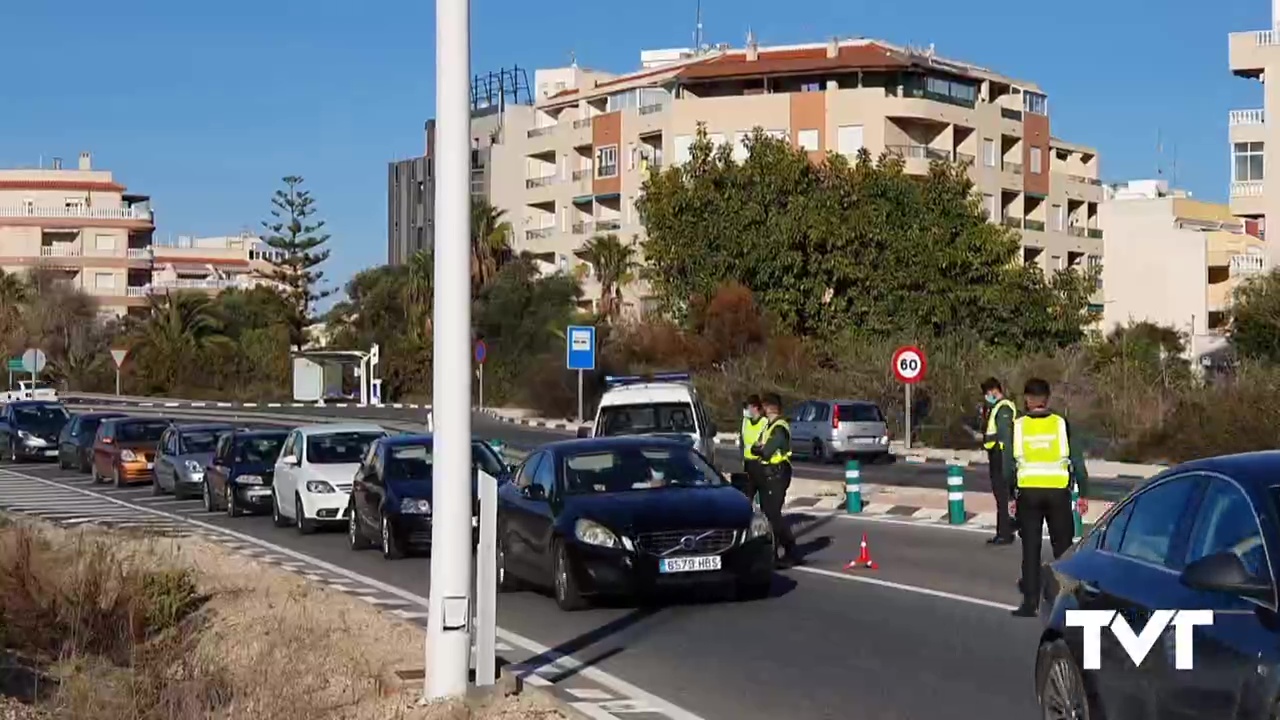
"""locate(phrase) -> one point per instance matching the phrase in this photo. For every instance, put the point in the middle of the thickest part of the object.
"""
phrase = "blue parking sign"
(580, 347)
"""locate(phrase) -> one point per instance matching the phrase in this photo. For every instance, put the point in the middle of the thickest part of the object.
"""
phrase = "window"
(524, 477)
(1155, 519)
(1057, 218)
(807, 140)
(1248, 162)
(1035, 161)
(716, 140)
(646, 468)
(1035, 103)
(339, 448)
(989, 204)
(104, 281)
(849, 139)
(776, 134)
(197, 441)
(672, 417)
(811, 87)
(104, 243)
(1226, 523)
(740, 146)
(989, 152)
(1114, 532)
(607, 161)
(683, 143)
(545, 476)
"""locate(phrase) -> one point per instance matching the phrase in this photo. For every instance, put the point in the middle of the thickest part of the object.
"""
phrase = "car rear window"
(646, 419)
(637, 468)
(261, 450)
(860, 412)
(200, 441)
(128, 432)
(340, 448)
(416, 461)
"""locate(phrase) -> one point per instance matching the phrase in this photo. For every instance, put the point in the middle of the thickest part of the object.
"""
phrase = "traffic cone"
(864, 557)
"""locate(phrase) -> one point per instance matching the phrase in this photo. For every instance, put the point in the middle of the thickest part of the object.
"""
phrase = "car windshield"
(676, 417)
(140, 432)
(860, 412)
(637, 468)
(259, 450)
(414, 462)
(41, 418)
(340, 448)
(199, 441)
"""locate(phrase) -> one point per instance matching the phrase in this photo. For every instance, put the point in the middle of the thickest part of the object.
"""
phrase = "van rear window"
(646, 419)
(860, 413)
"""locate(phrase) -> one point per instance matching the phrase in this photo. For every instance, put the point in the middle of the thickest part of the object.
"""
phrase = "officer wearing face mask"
(997, 439)
(753, 423)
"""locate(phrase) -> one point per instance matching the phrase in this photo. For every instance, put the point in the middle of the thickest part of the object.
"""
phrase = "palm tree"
(179, 329)
(613, 263)
(490, 243)
(419, 292)
(15, 292)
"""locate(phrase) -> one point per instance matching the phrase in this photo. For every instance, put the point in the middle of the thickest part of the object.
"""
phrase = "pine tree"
(298, 240)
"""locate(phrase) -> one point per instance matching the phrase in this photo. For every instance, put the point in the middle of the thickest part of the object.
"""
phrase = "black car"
(238, 478)
(391, 497)
(75, 442)
(29, 429)
(1204, 535)
(623, 516)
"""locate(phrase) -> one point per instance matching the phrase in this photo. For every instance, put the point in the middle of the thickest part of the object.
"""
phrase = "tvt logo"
(1138, 645)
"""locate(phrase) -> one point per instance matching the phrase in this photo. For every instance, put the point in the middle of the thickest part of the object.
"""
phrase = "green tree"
(419, 294)
(298, 237)
(832, 246)
(613, 263)
(490, 243)
(179, 332)
(1255, 317)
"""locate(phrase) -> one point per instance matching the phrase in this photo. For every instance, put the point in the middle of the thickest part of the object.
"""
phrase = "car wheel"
(117, 477)
(750, 590)
(568, 595)
(85, 465)
(206, 497)
(300, 521)
(1059, 684)
(819, 452)
(229, 501)
(391, 548)
(356, 538)
(156, 488)
(277, 518)
(62, 461)
(11, 452)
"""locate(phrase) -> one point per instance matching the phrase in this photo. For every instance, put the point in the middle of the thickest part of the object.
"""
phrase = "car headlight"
(320, 487)
(884, 440)
(413, 506)
(128, 455)
(27, 437)
(249, 479)
(593, 533)
(759, 527)
(194, 467)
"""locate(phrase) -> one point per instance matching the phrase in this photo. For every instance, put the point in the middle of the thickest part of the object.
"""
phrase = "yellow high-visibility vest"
(1041, 452)
(780, 456)
(751, 432)
(992, 441)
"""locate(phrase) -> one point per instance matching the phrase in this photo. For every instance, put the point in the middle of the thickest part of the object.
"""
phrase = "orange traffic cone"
(864, 557)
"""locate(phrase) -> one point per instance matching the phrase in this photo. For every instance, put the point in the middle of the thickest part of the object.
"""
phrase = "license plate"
(50, 453)
(861, 441)
(258, 492)
(689, 564)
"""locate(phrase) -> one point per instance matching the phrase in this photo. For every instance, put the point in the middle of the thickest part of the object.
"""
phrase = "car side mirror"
(289, 460)
(534, 492)
(1225, 573)
(584, 431)
(712, 430)
(511, 467)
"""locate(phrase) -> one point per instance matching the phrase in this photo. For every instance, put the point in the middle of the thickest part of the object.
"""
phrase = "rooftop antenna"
(1159, 153)
(573, 59)
(1173, 181)
(697, 32)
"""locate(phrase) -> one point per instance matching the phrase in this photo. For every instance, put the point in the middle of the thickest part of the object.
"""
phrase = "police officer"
(753, 423)
(774, 449)
(997, 438)
(1044, 462)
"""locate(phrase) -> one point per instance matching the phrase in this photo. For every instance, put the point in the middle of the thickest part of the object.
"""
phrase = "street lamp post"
(449, 608)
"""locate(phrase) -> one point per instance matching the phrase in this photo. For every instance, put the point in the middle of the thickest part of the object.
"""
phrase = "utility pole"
(449, 610)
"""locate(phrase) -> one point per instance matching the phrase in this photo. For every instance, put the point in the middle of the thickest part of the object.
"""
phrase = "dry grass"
(135, 628)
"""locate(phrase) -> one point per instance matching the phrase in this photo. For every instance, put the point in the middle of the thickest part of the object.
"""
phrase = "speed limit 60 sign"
(909, 364)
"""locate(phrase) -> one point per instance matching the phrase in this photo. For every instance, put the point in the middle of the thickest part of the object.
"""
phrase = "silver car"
(824, 430)
(183, 454)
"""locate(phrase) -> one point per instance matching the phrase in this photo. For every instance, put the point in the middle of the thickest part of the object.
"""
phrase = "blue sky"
(206, 106)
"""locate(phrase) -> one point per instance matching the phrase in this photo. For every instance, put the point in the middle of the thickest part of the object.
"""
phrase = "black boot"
(1026, 609)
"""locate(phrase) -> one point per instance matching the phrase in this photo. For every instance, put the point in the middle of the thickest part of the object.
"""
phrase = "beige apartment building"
(573, 165)
(1175, 261)
(81, 224)
(1255, 198)
(212, 264)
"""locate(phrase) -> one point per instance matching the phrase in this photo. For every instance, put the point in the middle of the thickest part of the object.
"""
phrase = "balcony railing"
(539, 234)
(608, 225)
(1248, 188)
(1010, 113)
(966, 158)
(651, 109)
(1247, 264)
(60, 250)
(140, 253)
(582, 228)
(540, 131)
(137, 291)
(1077, 231)
(919, 152)
(1013, 222)
(1094, 233)
(543, 181)
(1036, 225)
(1084, 180)
(77, 213)
(1255, 116)
(1267, 37)
(1012, 167)
(581, 174)
(583, 123)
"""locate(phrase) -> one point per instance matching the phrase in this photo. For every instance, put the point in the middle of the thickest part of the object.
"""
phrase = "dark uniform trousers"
(775, 480)
(1038, 507)
(1003, 493)
(754, 470)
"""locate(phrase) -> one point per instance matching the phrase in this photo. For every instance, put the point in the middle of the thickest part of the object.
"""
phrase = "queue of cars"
(581, 519)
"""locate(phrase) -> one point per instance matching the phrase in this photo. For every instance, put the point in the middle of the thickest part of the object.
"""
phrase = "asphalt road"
(927, 636)
(524, 437)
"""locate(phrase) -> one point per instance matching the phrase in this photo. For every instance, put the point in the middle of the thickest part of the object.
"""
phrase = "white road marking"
(956, 597)
(617, 684)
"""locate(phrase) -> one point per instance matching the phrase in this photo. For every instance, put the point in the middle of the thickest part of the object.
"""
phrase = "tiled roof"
(777, 62)
(60, 185)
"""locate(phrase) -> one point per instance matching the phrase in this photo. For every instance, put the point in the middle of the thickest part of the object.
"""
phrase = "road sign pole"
(906, 433)
(117, 381)
(580, 355)
(480, 373)
(582, 415)
(449, 610)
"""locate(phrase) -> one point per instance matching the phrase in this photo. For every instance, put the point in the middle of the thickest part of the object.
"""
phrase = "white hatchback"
(315, 472)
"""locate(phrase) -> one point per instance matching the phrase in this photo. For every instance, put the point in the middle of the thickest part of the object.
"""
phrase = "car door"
(1244, 635)
(286, 475)
(363, 495)
(66, 440)
(164, 459)
(218, 474)
(1139, 578)
(795, 419)
(515, 522)
(103, 450)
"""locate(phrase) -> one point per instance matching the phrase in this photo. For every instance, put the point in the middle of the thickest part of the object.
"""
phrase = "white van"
(664, 404)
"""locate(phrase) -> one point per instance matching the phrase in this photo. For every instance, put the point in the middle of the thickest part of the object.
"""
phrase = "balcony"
(1093, 233)
(966, 158)
(77, 213)
(137, 291)
(1011, 114)
(1248, 188)
(140, 254)
(1012, 222)
(1077, 231)
(1256, 116)
(583, 228)
(1036, 225)
(540, 131)
(1082, 180)
(604, 225)
(538, 234)
(583, 123)
(919, 152)
(1247, 264)
(583, 174)
(162, 286)
(543, 181)
(60, 250)
(1012, 167)
(651, 109)
(1251, 51)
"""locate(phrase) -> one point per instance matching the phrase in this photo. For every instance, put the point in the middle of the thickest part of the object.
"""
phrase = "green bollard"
(1075, 511)
(852, 487)
(955, 493)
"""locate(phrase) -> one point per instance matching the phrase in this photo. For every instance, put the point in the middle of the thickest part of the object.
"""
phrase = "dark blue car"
(239, 477)
(391, 496)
